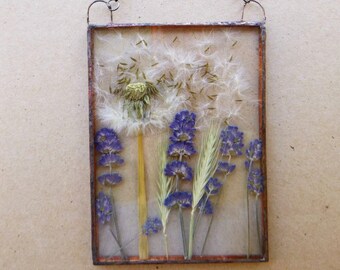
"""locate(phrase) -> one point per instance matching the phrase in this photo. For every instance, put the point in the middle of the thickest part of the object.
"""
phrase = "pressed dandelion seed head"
(213, 186)
(231, 141)
(152, 226)
(180, 169)
(174, 70)
(182, 199)
(110, 159)
(255, 181)
(225, 167)
(110, 178)
(103, 208)
(254, 152)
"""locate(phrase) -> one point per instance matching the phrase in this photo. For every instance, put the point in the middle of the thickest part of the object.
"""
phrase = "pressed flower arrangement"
(177, 144)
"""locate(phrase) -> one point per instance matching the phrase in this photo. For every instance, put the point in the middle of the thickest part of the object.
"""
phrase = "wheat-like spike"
(206, 167)
(165, 187)
(207, 163)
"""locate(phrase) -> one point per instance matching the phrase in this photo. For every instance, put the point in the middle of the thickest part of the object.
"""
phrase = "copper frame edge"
(133, 260)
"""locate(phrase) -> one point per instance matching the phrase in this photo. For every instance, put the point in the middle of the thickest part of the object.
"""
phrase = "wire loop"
(112, 6)
(246, 2)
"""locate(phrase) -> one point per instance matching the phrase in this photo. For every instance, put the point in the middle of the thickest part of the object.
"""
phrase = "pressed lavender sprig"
(231, 145)
(108, 144)
(255, 184)
(205, 169)
(181, 146)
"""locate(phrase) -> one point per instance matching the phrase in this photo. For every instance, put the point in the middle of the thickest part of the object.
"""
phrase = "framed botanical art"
(177, 142)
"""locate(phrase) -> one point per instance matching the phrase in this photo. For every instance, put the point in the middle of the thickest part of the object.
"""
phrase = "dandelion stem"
(142, 203)
(248, 218)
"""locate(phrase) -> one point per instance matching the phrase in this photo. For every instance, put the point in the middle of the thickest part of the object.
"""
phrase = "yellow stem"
(142, 206)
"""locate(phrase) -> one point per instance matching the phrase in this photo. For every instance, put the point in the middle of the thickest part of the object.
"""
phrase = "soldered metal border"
(264, 257)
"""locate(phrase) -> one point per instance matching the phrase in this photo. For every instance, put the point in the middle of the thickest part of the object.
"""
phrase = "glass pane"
(144, 77)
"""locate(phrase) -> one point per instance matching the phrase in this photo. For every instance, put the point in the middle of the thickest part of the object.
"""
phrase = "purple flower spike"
(152, 226)
(206, 209)
(179, 168)
(184, 120)
(110, 179)
(256, 181)
(213, 186)
(181, 198)
(231, 141)
(103, 208)
(254, 152)
(110, 159)
(225, 167)
(107, 141)
(181, 149)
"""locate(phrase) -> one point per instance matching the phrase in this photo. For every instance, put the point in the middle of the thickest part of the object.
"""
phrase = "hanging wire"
(246, 2)
(112, 6)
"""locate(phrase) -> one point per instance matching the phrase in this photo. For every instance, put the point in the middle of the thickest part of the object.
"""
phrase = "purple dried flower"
(110, 159)
(184, 120)
(179, 168)
(181, 149)
(107, 141)
(231, 141)
(255, 181)
(183, 135)
(103, 207)
(254, 152)
(181, 198)
(205, 206)
(225, 167)
(110, 178)
(152, 226)
(213, 186)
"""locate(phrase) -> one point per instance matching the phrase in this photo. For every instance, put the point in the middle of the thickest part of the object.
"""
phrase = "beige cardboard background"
(44, 168)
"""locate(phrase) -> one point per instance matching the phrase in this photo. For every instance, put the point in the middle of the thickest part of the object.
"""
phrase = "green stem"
(180, 213)
(128, 243)
(258, 222)
(248, 219)
(213, 214)
(200, 213)
(165, 237)
(191, 233)
(114, 217)
(183, 232)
